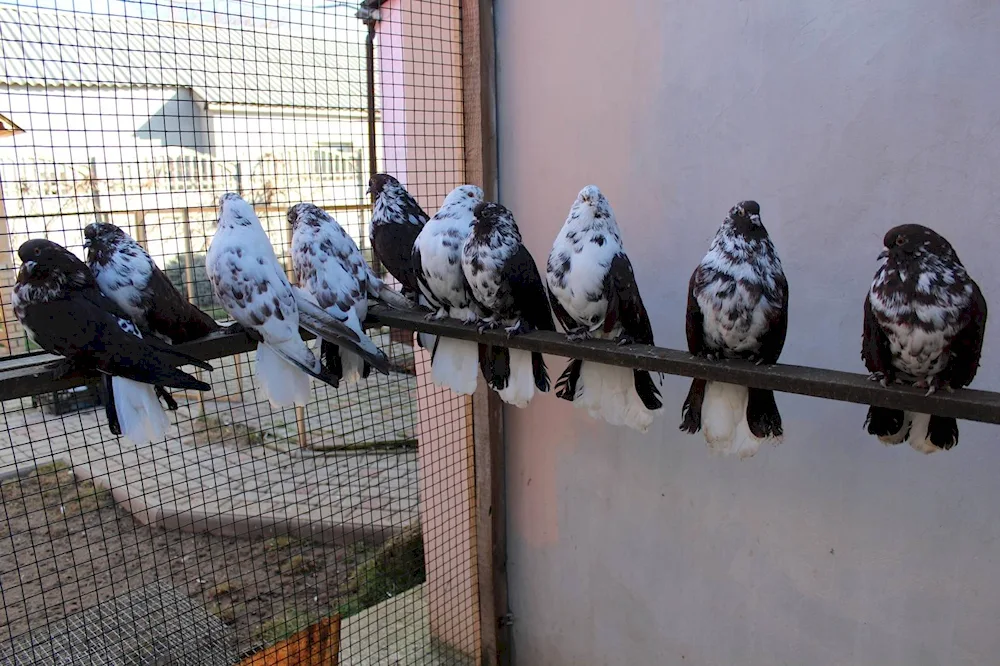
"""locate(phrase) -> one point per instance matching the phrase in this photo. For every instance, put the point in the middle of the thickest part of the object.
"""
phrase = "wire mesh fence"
(248, 526)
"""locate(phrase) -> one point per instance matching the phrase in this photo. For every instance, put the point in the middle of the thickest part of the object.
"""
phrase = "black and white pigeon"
(329, 265)
(737, 308)
(251, 285)
(60, 305)
(505, 282)
(925, 319)
(437, 261)
(593, 293)
(397, 220)
(128, 276)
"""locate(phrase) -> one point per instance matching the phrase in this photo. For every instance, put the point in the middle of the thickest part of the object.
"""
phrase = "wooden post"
(189, 282)
(479, 84)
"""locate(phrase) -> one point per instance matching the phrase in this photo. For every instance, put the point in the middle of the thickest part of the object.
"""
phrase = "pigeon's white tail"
(724, 420)
(456, 365)
(140, 415)
(281, 382)
(351, 364)
(608, 392)
(521, 386)
(919, 439)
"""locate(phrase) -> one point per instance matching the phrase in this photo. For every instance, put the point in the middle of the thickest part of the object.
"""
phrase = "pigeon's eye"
(38, 251)
(470, 195)
(900, 240)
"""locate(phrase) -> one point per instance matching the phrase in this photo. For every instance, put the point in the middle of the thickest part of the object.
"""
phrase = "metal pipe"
(372, 152)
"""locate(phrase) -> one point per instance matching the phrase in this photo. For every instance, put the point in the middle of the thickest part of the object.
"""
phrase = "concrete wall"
(842, 119)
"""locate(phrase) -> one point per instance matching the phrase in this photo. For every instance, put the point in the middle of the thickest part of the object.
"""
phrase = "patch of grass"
(225, 588)
(394, 567)
(283, 625)
(297, 564)
(280, 542)
(62, 493)
(217, 431)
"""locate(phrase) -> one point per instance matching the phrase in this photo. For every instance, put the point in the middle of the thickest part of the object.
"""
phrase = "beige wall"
(842, 119)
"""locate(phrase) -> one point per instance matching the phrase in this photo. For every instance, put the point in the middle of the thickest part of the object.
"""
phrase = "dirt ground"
(65, 546)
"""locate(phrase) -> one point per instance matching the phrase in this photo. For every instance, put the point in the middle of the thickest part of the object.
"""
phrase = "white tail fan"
(919, 439)
(282, 383)
(608, 392)
(724, 420)
(521, 386)
(456, 365)
(140, 415)
(351, 365)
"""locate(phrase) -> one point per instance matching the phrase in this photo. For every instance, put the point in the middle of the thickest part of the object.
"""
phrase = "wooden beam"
(479, 112)
(22, 376)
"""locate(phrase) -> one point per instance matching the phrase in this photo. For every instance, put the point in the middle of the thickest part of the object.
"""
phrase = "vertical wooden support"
(189, 281)
(479, 84)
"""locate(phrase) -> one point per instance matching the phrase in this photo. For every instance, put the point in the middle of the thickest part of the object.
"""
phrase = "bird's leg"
(470, 318)
(880, 377)
(441, 313)
(625, 339)
(518, 328)
(488, 323)
(578, 334)
(932, 384)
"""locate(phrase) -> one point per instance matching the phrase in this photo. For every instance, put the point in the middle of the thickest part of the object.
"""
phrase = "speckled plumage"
(437, 261)
(924, 323)
(737, 308)
(593, 293)
(251, 285)
(397, 220)
(59, 303)
(329, 265)
(504, 280)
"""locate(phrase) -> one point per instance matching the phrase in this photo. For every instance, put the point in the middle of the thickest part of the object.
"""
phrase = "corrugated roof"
(223, 65)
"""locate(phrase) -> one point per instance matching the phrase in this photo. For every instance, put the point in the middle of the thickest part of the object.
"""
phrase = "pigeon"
(925, 319)
(329, 265)
(60, 305)
(437, 262)
(593, 293)
(251, 285)
(397, 220)
(737, 308)
(128, 276)
(505, 282)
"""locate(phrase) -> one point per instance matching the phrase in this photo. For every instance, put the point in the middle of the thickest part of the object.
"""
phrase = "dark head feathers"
(42, 249)
(489, 209)
(379, 181)
(909, 238)
(746, 208)
(303, 210)
(103, 231)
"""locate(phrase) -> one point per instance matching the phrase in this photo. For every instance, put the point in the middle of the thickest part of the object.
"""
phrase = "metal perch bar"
(29, 375)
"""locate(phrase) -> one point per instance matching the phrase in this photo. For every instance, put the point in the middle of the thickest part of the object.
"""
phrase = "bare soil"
(65, 546)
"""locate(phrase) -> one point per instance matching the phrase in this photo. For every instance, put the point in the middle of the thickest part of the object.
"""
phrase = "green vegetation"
(394, 567)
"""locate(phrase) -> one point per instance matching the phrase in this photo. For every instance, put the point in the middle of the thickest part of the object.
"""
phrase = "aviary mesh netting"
(247, 525)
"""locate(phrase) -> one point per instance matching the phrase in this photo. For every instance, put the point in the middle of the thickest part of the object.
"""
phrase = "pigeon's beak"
(755, 219)
(368, 190)
(883, 255)
(29, 267)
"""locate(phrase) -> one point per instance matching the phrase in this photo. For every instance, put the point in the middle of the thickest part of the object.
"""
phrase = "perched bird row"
(119, 314)
(924, 318)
